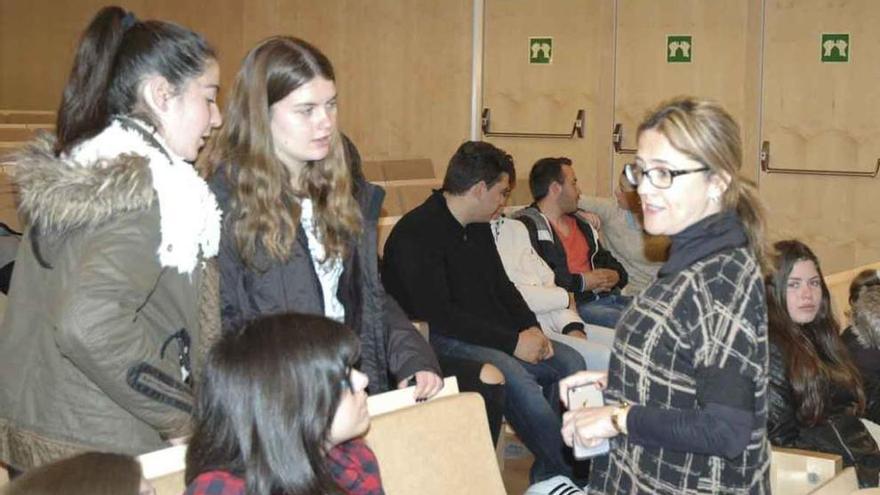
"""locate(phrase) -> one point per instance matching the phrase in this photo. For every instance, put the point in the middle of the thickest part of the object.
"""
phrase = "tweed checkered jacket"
(711, 314)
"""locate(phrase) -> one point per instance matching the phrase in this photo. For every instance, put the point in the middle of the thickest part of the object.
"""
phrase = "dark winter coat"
(389, 342)
(841, 433)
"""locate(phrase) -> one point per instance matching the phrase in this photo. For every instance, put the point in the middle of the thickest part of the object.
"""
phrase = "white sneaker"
(557, 485)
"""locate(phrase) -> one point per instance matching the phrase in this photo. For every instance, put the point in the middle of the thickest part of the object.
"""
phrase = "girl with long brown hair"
(816, 392)
(300, 221)
(299, 232)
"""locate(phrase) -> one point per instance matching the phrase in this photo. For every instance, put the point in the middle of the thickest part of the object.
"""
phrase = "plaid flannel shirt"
(352, 464)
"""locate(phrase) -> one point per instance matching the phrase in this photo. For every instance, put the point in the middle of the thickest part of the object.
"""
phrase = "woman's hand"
(428, 384)
(579, 379)
(588, 426)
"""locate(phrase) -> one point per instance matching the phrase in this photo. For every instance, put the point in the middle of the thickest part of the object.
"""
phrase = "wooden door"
(821, 116)
(545, 98)
(723, 38)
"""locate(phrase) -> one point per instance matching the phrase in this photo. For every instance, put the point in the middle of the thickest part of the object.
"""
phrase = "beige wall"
(404, 73)
(403, 68)
(38, 39)
(531, 98)
(822, 116)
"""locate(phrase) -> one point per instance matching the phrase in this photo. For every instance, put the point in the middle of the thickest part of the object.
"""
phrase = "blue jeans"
(532, 398)
(604, 311)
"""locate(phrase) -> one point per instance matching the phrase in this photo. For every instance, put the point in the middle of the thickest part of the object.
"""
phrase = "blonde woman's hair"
(265, 211)
(707, 134)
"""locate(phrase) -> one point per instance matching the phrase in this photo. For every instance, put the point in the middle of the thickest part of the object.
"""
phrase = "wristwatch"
(617, 418)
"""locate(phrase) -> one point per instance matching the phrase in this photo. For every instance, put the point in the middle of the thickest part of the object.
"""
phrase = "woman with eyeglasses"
(687, 384)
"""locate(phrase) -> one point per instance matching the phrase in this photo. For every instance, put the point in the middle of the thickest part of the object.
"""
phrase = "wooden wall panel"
(820, 116)
(38, 39)
(403, 69)
(545, 98)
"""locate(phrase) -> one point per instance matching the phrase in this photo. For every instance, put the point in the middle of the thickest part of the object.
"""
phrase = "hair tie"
(128, 21)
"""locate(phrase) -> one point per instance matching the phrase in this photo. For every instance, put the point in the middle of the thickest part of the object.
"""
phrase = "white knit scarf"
(189, 216)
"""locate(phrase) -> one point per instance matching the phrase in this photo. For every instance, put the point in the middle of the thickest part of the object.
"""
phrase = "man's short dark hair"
(476, 161)
(544, 172)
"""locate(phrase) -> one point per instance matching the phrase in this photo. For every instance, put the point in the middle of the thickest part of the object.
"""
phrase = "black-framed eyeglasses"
(659, 177)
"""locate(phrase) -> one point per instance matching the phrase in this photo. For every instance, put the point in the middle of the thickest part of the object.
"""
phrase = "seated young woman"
(281, 410)
(817, 395)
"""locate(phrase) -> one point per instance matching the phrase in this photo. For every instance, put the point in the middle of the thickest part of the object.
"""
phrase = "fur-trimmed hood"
(58, 196)
(126, 167)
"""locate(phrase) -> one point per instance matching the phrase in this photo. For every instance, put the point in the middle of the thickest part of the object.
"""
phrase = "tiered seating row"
(16, 128)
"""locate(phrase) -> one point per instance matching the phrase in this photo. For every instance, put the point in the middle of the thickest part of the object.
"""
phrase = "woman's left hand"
(428, 384)
(588, 425)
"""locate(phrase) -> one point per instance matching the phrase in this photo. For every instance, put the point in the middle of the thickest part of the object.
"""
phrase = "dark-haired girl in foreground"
(280, 411)
(817, 395)
(103, 306)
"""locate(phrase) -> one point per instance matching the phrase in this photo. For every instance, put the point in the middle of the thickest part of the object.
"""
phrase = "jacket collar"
(438, 202)
(711, 235)
(543, 223)
(125, 168)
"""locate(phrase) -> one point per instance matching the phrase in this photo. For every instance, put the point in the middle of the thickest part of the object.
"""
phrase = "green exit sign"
(679, 48)
(835, 47)
(540, 50)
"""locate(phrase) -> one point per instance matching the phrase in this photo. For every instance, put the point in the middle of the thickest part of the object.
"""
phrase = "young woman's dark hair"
(91, 473)
(476, 161)
(816, 358)
(267, 401)
(115, 54)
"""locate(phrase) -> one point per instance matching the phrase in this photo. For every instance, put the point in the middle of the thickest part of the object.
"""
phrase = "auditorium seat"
(439, 447)
(27, 117)
(22, 132)
(801, 472)
(164, 469)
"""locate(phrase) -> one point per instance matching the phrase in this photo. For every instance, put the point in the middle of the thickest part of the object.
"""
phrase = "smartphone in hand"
(588, 395)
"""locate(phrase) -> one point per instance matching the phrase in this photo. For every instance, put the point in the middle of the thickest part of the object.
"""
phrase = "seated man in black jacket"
(441, 264)
(570, 246)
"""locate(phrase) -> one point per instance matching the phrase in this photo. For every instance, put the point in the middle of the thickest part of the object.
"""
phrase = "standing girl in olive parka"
(103, 306)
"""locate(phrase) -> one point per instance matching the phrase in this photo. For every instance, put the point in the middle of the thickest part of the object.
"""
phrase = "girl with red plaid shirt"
(281, 411)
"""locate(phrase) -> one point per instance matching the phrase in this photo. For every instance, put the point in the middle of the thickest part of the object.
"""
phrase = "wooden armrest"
(795, 471)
